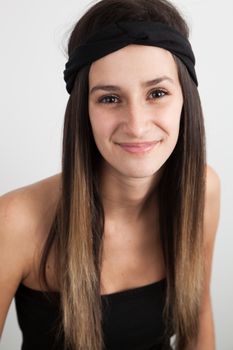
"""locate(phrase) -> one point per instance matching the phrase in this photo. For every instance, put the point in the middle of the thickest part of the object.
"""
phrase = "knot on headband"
(132, 32)
(118, 35)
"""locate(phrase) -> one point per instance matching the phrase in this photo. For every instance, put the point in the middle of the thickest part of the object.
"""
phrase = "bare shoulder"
(212, 204)
(35, 192)
(25, 214)
(213, 182)
(35, 197)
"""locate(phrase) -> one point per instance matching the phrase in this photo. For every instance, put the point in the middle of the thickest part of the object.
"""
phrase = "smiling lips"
(138, 147)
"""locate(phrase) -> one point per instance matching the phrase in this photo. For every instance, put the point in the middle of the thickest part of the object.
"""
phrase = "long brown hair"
(77, 228)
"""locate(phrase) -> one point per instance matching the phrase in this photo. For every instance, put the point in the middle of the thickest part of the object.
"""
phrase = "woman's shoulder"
(31, 201)
(212, 181)
(212, 205)
(25, 216)
(34, 198)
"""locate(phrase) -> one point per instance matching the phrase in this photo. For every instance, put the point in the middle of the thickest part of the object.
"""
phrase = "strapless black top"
(132, 318)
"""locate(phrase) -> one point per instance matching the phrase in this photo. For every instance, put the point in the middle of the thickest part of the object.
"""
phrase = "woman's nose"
(137, 120)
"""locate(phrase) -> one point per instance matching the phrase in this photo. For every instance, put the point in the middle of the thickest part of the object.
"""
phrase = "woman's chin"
(137, 173)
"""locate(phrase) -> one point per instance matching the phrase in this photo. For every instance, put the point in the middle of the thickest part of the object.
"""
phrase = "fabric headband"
(118, 35)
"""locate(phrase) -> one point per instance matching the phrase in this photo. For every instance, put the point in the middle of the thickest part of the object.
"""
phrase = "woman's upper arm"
(14, 248)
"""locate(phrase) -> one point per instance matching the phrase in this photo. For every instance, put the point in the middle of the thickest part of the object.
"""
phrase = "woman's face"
(134, 98)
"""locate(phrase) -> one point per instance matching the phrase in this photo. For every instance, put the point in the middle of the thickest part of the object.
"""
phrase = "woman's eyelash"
(158, 91)
(106, 97)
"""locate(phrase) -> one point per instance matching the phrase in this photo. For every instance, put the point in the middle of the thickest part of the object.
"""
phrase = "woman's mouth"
(138, 148)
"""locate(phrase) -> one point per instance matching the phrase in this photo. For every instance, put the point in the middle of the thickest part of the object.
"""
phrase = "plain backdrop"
(33, 98)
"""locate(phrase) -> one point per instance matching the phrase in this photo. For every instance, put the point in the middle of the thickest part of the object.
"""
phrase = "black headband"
(118, 35)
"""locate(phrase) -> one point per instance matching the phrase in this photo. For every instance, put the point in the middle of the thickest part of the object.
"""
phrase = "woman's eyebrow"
(144, 84)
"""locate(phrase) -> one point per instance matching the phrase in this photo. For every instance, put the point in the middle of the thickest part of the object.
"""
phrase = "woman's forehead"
(134, 61)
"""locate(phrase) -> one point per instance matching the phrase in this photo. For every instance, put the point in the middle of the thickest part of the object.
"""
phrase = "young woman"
(115, 251)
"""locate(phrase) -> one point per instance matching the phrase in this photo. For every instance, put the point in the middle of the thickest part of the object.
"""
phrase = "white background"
(33, 100)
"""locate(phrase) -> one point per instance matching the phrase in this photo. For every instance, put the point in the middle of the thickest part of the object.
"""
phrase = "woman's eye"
(107, 99)
(111, 99)
(158, 93)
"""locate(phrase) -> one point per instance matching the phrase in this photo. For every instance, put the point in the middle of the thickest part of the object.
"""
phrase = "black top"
(132, 318)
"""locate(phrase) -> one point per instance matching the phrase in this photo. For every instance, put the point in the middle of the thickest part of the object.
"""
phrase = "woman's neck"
(127, 199)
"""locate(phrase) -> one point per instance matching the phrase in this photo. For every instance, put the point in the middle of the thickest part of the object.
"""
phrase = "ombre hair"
(77, 228)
